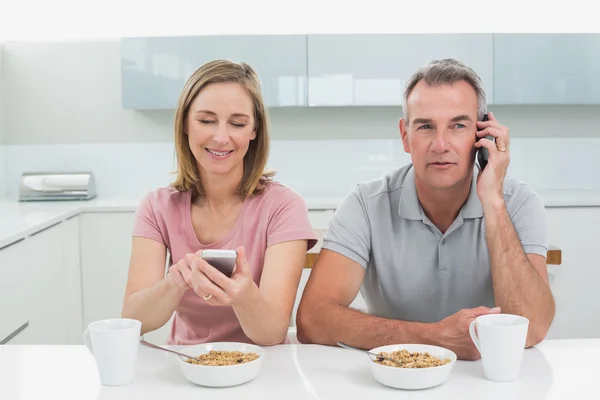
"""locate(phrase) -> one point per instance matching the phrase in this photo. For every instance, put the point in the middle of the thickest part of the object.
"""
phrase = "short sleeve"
(349, 230)
(145, 223)
(289, 220)
(531, 226)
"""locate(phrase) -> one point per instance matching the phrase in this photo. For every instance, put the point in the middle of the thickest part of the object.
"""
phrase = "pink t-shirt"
(278, 215)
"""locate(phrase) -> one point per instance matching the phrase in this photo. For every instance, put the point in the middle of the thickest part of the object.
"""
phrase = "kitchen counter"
(19, 219)
(555, 369)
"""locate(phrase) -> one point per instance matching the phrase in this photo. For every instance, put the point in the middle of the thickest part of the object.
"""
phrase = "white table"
(556, 369)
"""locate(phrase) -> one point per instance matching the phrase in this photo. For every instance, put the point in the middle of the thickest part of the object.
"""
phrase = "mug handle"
(88, 340)
(474, 335)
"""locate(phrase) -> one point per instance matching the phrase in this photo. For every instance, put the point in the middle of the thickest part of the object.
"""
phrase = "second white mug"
(500, 339)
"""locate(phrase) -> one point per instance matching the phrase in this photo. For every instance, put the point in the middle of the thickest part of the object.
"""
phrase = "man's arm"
(520, 279)
(324, 315)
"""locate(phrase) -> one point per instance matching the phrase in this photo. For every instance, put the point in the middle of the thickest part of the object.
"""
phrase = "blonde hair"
(254, 176)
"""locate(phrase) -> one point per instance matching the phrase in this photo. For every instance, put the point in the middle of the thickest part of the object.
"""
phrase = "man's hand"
(491, 180)
(454, 332)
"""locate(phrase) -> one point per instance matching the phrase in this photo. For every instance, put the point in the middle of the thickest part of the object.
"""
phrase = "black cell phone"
(482, 153)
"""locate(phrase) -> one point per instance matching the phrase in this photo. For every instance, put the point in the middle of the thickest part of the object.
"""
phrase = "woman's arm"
(150, 297)
(266, 319)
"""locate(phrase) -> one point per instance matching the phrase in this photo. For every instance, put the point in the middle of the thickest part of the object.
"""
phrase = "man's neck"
(443, 205)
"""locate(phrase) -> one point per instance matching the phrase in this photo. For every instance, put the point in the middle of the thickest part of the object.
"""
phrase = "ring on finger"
(207, 297)
(501, 148)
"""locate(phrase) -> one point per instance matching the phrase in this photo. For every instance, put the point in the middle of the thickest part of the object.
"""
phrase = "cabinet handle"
(12, 243)
(45, 229)
(15, 333)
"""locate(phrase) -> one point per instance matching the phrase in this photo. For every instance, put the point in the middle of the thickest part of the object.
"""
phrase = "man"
(437, 242)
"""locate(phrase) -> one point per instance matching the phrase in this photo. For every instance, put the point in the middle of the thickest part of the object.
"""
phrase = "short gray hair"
(447, 71)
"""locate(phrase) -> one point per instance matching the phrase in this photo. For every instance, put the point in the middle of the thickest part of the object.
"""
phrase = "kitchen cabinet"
(154, 69)
(105, 252)
(575, 282)
(53, 294)
(47, 288)
(13, 288)
(372, 69)
(71, 255)
(545, 68)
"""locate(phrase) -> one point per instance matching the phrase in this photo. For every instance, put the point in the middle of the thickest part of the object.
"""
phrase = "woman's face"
(220, 126)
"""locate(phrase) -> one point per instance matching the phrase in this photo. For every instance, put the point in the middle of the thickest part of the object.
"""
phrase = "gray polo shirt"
(413, 271)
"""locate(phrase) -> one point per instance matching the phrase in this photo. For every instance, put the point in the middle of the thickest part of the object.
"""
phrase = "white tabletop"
(555, 369)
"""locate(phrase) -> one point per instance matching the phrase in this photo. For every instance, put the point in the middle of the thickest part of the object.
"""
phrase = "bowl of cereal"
(221, 364)
(421, 366)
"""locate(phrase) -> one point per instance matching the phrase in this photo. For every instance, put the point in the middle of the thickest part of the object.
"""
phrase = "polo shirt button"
(443, 241)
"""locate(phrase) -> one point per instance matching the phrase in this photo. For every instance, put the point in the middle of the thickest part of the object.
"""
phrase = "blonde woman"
(222, 198)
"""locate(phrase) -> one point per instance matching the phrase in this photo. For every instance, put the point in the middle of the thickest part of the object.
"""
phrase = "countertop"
(555, 369)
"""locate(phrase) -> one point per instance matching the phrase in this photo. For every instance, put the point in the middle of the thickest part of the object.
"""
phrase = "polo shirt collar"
(410, 207)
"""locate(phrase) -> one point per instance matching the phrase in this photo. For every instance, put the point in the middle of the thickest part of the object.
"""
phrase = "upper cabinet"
(367, 69)
(154, 69)
(372, 69)
(547, 68)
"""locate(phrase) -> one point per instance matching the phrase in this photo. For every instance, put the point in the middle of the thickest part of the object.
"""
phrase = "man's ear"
(403, 126)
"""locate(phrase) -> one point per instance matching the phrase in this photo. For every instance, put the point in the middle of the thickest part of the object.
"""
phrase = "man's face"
(440, 132)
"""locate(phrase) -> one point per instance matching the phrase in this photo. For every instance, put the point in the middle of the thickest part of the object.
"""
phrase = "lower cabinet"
(52, 303)
(105, 252)
(13, 290)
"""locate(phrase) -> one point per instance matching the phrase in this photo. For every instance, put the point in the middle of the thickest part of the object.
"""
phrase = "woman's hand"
(180, 274)
(216, 288)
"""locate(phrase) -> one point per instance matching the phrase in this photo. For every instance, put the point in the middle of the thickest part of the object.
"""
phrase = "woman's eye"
(206, 122)
(238, 125)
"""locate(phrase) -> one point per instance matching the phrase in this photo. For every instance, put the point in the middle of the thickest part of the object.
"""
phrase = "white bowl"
(413, 378)
(221, 376)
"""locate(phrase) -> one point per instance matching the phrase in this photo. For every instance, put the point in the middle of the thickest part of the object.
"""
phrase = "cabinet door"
(105, 253)
(13, 288)
(154, 70)
(372, 70)
(74, 306)
(46, 278)
(546, 68)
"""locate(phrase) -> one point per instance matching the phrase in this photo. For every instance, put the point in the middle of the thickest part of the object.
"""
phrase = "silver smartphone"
(223, 260)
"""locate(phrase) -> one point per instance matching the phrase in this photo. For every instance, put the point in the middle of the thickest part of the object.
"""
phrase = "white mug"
(114, 343)
(500, 339)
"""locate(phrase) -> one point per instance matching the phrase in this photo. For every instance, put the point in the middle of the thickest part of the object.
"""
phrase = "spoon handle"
(148, 344)
(344, 345)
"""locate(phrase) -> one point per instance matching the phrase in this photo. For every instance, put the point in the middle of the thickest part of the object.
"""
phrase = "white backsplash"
(315, 168)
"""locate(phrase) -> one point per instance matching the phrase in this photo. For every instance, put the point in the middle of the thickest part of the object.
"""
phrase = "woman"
(222, 199)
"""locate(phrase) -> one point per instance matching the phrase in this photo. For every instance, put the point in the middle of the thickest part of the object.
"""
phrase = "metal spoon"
(148, 344)
(344, 345)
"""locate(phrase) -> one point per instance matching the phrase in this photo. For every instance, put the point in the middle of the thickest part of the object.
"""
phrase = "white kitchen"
(100, 112)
